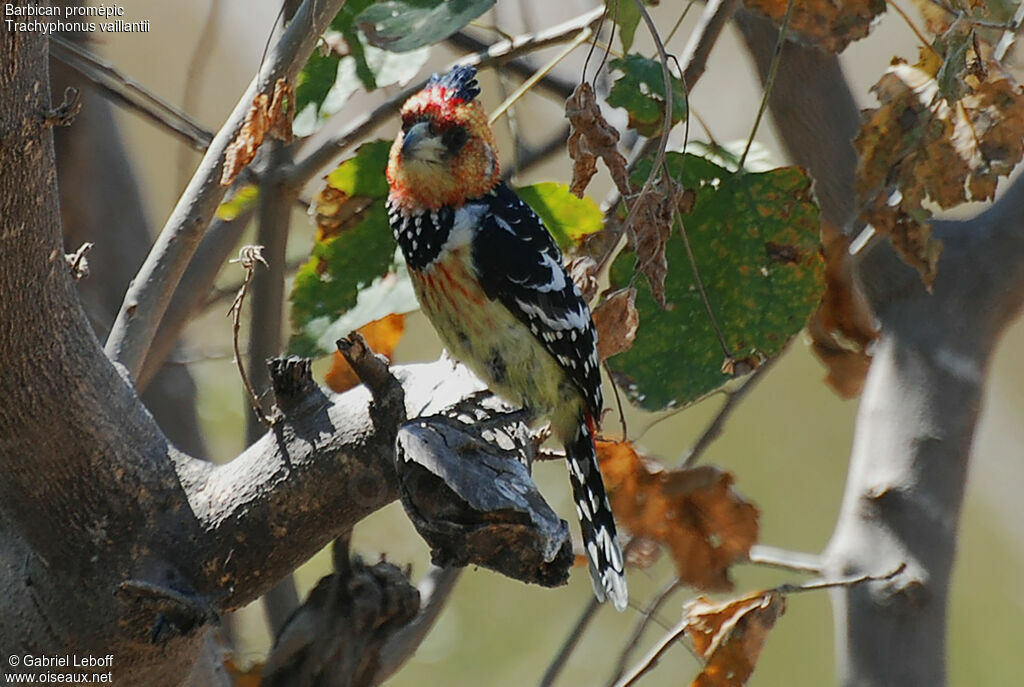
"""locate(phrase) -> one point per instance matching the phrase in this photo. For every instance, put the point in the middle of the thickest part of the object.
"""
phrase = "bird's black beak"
(420, 143)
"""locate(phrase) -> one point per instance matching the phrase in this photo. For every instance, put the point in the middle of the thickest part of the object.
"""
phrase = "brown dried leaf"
(826, 23)
(583, 269)
(264, 116)
(592, 137)
(382, 335)
(243, 149)
(843, 327)
(650, 228)
(730, 636)
(694, 513)
(919, 146)
(282, 109)
(616, 320)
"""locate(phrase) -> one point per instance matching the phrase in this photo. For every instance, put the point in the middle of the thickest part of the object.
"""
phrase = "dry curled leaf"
(584, 270)
(650, 228)
(842, 328)
(729, 636)
(694, 513)
(282, 109)
(592, 137)
(264, 116)
(919, 146)
(825, 23)
(616, 320)
(382, 336)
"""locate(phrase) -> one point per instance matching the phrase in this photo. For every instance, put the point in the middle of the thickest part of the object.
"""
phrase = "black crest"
(460, 82)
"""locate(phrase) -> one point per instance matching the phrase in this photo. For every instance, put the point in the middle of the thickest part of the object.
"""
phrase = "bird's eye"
(454, 138)
(410, 121)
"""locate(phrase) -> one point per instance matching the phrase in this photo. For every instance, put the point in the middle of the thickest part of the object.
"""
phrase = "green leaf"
(402, 25)
(354, 250)
(641, 91)
(315, 81)
(243, 199)
(567, 217)
(626, 14)
(327, 81)
(755, 242)
(364, 174)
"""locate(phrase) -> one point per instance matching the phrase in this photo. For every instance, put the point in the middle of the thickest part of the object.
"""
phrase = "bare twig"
(78, 264)
(266, 326)
(795, 561)
(147, 298)
(655, 654)
(565, 651)
(1010, 34)
(699, 281)
(129, 93)
(649, 613)
(248, 257)
(844, 582)
(714, 428)
(666, 125)
(768, 82)
(521, 66)
(310, 165)
(525, 87)
(66, 111)
(221, 239)
(193, 72)
(717, 14)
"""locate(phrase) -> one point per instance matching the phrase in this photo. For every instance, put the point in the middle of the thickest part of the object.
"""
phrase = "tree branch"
(147, 298)
(717, 14)
(129, 93)
(921, 402)
(309, 166)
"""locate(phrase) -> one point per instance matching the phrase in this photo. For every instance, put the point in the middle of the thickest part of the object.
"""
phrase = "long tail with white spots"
(596, 521)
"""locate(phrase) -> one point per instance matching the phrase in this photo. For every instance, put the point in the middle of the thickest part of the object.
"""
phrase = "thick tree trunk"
(922, 399)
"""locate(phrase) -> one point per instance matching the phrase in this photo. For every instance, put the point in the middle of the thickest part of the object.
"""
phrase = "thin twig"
(520, 66)
(717, 14)
(913, 28)
(525, 87)
(147, 297)
(844, 582)
(715, 427)
(655, 654)
(699, 282)
(618, 402)
(248, 257)
(310, 165)
(573, 639)
(1010, 34)
(129, 93)
(666, 129)
(795, 561)
(768, 82)
(193, 77)
(649, 613)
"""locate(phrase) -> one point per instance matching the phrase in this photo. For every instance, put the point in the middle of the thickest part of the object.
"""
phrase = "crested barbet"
(490, 278)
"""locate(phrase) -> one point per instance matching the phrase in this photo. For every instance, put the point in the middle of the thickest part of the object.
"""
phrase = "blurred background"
(788, 444)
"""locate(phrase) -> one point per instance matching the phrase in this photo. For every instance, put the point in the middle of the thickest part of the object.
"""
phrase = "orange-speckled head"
(445, 152)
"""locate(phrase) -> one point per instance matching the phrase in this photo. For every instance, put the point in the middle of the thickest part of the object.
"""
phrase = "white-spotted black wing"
(519, 264)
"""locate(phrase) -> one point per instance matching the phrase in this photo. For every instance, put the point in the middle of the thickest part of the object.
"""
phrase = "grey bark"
(922, 398)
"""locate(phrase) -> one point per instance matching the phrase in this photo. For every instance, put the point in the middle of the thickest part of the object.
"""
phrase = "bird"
(491, 280)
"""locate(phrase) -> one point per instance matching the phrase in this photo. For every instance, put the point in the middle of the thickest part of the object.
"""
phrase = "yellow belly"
(493, 343)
